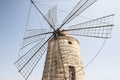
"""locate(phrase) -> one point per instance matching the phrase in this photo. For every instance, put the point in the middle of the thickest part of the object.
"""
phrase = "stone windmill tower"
(63, 60)
(59, 65)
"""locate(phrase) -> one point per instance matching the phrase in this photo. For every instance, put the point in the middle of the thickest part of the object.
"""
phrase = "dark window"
(72, 73)
(69, 42)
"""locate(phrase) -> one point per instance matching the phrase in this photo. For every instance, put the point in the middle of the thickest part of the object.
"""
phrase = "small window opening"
(69, 42)
(71, 73)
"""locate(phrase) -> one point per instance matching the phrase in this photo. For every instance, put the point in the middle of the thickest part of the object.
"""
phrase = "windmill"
(63, 60)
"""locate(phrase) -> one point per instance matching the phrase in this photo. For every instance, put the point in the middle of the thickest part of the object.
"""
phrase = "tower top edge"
(66, 37)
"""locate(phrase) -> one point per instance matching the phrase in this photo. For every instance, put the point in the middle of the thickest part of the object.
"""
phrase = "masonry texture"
(63, 60)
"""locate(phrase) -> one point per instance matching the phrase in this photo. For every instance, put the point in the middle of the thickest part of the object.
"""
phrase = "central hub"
(58, 33)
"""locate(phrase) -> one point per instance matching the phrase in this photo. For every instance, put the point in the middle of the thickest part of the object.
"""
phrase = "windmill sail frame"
(28, 61)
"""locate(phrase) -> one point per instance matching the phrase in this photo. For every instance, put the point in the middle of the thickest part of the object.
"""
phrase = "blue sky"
(13, 15)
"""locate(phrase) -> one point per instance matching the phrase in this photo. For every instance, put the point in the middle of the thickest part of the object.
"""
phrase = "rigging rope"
(95, 55)
(27, 20)
(65, 11)
(26, 26)
(39, 19)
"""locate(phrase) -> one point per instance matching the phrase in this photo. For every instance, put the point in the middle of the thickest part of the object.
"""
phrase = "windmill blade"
(27, 62)
(52, 16)
(35, 35)
(99, 28)
(42, 15)
(97, 32)
(78, 9)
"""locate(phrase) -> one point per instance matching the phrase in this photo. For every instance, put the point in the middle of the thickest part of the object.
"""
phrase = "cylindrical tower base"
(63, 60)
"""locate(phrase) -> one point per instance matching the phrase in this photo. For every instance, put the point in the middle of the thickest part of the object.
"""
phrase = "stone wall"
(58, 59)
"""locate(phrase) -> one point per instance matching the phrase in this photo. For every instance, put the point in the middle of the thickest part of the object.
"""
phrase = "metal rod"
(95, 20)
(71, 16)
(74, 14)
(88, 27)
(38, 35)
(42, 15)
(91, 36)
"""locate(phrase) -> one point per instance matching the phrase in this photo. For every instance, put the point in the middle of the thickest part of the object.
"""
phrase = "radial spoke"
(99, 28)
(78, 9)
(27, 42)
(106, 20)
(35, 31)
(27, 62)
(97, 31)
(42, 15)
(38, 35)
(32, 36)
(52, 16)
(50, 63)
